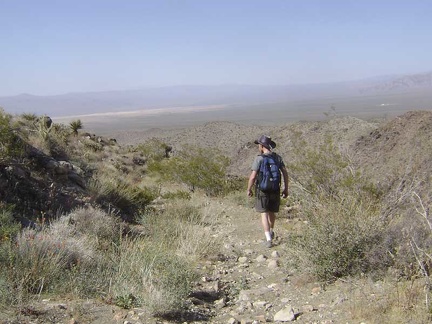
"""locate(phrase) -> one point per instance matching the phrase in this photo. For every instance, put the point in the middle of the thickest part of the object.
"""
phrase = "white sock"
(268, 236)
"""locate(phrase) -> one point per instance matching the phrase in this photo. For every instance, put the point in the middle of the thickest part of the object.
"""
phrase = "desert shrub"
(183, 228)
(91, 145)
(324, 169)
(96, 223)
(10, 144)
(151, 276)
(198, 168)
(346, 233)
(234, 184)
(31, 117)
(44, 258)
(340, 236)
(154, 150)
(57, 143)
(119, 196)
(9, 228)
(75, 125)
(64, 257)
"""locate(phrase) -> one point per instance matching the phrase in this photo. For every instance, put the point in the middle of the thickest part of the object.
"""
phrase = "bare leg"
(271, 220)
(265, 220)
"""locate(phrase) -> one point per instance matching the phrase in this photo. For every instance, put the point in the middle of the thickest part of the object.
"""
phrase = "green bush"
(154, 150)
(10, 144)
(346, 233)
(198, 168)
(343, 237)
(324, 169)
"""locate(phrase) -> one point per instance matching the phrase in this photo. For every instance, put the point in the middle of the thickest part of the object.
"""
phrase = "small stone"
(220, 303)
(260, 304)
(243, 259)
(285, 315)
(216, 286)
(275, 254)
(316, 291)
(261, 258)
(273, 286)
(273, 264)
(232, 320)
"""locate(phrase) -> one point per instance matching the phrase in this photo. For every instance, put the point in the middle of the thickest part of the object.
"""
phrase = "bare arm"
(285, 177)
(251, 182)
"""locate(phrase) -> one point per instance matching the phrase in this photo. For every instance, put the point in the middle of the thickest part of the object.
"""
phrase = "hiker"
(267, 201)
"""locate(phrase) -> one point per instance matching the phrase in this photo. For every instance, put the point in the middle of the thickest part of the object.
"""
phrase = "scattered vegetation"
(10, 144)
(349, 231)
(126, 232)
(198, 168)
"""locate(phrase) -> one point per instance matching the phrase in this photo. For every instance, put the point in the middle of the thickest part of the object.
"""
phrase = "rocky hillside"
(240, 281)
(386, 151)
(398, 151)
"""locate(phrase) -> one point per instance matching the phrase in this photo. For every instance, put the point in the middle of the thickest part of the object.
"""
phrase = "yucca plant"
(75, 125)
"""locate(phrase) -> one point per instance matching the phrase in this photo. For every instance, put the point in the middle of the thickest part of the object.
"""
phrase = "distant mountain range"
(401, 83)
(73, 104)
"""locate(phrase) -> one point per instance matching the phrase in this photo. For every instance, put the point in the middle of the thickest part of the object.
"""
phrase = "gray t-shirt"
(257, 162)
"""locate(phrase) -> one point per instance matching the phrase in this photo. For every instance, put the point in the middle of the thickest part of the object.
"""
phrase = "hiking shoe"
(268, 244)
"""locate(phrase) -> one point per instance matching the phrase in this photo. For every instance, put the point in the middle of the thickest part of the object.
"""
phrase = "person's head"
(265, 143)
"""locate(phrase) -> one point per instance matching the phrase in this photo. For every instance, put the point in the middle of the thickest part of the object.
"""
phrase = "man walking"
(267, 199)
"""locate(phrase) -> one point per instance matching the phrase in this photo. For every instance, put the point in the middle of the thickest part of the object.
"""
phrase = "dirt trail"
(245, 283)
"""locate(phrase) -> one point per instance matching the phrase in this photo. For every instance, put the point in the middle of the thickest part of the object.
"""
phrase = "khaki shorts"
(267, 202)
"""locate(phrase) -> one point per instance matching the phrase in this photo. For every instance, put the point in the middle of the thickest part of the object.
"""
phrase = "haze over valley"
(179, 106)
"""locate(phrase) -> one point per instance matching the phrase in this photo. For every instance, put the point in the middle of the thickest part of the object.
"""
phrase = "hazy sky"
(55, 47)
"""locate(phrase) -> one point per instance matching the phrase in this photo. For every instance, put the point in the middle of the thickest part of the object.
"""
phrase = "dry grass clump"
(95, 223)
(184, 228)
(61, 258)
(118, 195)
(85, 253)
(150, 275)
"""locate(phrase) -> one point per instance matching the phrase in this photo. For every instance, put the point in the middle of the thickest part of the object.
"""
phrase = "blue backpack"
(269, 178)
